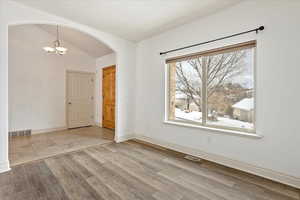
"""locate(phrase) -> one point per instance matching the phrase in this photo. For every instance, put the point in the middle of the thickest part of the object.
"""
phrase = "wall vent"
(20, 133)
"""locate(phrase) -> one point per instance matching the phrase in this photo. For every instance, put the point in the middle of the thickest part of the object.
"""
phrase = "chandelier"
(56, 48)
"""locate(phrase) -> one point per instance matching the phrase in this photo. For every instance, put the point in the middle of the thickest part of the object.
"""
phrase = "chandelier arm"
(57, 49)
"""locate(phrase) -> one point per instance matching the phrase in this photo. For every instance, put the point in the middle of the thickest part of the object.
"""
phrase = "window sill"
(231, 132)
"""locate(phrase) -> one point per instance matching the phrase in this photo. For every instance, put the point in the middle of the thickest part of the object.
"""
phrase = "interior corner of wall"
(4, 166)
(99, 124)
(125, 137)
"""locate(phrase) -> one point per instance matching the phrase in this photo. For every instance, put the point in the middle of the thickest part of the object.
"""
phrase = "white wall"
(277, 86)
(37, 80)
(4, 164)
(277, 82)
(101, 62)
(13, 13)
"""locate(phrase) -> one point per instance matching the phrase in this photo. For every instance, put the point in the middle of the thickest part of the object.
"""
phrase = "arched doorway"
(13, 13)
(63, 70)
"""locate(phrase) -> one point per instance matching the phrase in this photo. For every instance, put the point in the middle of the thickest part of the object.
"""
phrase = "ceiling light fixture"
(57, 48)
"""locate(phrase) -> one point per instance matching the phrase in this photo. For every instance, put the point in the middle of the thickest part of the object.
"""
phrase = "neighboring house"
(183, 102)
(244, 110)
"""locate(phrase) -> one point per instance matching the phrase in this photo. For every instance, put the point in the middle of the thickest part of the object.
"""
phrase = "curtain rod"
(261, 28)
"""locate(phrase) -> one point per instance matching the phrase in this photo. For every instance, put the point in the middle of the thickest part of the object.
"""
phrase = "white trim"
(217, 130)
(259, 171)
(79, 72)
(98, 124)
(166, 94)
(39, 131)
(125, 138)
(4, 167)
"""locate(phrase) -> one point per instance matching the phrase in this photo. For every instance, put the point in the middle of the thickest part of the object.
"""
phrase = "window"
(214, 88)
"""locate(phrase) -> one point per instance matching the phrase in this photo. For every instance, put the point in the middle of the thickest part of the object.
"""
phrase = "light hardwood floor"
(28, 148)
(132, 171)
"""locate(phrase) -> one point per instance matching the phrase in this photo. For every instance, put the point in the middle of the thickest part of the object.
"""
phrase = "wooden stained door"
(108, 89)
(80, 100)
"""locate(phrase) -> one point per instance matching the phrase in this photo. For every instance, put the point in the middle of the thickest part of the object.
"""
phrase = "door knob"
(69, 103)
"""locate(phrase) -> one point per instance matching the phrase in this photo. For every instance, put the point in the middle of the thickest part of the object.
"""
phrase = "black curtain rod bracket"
(261, 28)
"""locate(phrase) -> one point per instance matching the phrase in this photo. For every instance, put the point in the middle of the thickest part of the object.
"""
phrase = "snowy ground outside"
(222, 121)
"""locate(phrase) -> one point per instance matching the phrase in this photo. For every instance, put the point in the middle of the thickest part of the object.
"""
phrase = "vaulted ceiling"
(46, 34)
(134, 20)
(86, 43)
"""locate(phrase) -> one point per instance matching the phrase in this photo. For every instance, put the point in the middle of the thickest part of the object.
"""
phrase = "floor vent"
(192, 158)
(19, 133)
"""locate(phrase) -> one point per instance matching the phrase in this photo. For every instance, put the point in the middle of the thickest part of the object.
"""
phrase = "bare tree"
(218, 68)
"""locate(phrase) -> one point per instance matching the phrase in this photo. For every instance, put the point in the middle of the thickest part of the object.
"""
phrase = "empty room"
(53, 94)
(149, 100)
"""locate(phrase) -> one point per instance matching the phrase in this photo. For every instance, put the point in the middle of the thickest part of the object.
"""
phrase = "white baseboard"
(48, 130)
(98, 124)
(125, 138)
(259, 171)
(4, 167)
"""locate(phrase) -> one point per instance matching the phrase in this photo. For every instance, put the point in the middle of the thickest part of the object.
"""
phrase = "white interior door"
(80, 99)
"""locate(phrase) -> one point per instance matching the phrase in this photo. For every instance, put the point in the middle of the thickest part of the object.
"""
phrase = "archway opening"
(49, 94)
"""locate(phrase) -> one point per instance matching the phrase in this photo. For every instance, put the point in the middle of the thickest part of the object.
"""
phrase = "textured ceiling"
(134, 20)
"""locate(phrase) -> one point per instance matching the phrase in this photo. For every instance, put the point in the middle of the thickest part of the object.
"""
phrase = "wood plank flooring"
(23, 149)
(132, 171)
